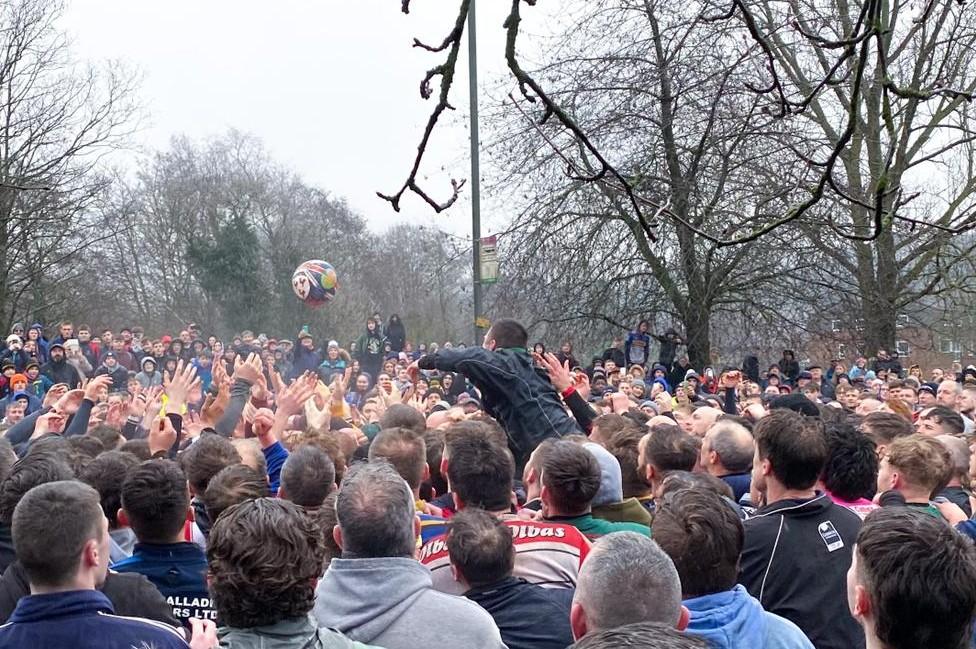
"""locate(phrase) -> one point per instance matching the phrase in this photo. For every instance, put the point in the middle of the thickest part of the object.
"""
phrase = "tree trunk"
(698, 334)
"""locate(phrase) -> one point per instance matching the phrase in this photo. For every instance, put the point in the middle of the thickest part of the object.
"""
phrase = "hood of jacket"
(363, 598)
(728, 620)
(611, 482)
(286, 634)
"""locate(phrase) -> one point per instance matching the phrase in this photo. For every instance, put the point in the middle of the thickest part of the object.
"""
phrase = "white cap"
(333, 343)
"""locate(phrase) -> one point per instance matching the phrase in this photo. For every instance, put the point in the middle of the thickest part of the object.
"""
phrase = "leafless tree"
(57, 120)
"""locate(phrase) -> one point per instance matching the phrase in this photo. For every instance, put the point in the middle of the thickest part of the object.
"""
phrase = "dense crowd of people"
(263, 493)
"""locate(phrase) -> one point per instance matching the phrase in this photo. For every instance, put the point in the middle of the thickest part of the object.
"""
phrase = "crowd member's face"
(389, 367)
(817, 374)
(421, 389)
(882, 354)
(849, 399)
(566, 348)
(57, 354)
(110, 362)
(908, 396)
(185, 337)
(30, 347)
(403, 376)
(432, 400)
(967, 401)
(362, 383)
(19, 385)
(19, 331)
(66, 331)
(625, 387)
(84, 336)
(448, 381)
(308, 343)
(643, 327)
(107, 337)
(385, 382)
(771, 391)
(33, 373)
(915, 371)
(861, 362)
(132, 385)
(118, 345)
(926, 399)
(158, 349)
(333, 353)
(867, 406)
(126, 336)
(370, 325)
(15, 412)
(928, 426)
(937, 375)
(947, 395)
(32, 334)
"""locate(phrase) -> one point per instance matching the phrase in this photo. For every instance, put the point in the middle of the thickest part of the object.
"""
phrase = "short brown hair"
(232, 485)
(571, 474)
(405, 450)
(480, 547)
(703, 536)
(205, 458)
(624, 445)
(884, 427)
(923, 461)
(796, 446)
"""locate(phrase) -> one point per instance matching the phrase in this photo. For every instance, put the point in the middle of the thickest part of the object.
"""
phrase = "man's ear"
(766, 467)
(683, 619)
(862, 603)
(90, 553)
(577, 621)
(444, 467)
(426, 476)
(897, 481)
(531, 476)
(649, 473)
(458, 505)
(712, 458)
(122, 518)
(337, 536)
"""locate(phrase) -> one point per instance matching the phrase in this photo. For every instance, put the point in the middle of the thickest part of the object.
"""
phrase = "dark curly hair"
(265, 556)
(851, 470)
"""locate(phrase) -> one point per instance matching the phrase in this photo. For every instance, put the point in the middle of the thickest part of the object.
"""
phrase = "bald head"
(702, 419)
(728, 448)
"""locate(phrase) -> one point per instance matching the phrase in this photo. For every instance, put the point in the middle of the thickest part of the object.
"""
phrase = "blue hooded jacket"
(82, 619)
(734, 619)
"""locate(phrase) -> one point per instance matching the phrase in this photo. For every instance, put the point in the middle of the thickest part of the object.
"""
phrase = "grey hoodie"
(390, 602)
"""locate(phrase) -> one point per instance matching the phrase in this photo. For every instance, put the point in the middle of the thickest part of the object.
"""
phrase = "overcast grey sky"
(330, 86)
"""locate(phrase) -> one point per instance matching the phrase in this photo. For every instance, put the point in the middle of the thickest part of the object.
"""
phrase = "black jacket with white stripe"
(795, 562)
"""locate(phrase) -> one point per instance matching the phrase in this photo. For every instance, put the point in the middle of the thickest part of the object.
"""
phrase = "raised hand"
(69, 402)
(184, 381)
(292, 400)
(57, 391)
(93, 391)
(50, 422)
(559, 374)
(162, 435)
(249, 371)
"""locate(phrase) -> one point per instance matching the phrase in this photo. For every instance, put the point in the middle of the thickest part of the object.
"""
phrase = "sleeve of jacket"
(473, 362)
(22, 430)
(240, 392)
(582, 411)
(275, 456)
(79, 423)
(627, 348)
(756, 557)
(729, 405)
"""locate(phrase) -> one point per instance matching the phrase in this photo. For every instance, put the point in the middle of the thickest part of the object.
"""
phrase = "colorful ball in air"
(315, 282)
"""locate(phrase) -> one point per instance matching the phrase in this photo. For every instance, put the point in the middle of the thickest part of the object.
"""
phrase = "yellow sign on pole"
(482, 322)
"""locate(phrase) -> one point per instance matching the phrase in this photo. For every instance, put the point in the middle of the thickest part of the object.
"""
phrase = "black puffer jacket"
(513, 391)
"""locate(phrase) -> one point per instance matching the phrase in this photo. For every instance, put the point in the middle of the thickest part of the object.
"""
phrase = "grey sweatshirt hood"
(392, 586)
